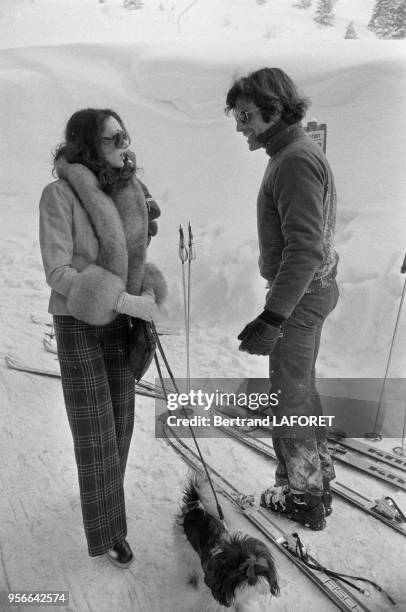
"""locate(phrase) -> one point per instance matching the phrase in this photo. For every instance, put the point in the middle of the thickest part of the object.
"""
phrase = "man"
(296, 211)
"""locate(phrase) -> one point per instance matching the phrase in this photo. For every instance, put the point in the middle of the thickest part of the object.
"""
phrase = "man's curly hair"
(271, 90)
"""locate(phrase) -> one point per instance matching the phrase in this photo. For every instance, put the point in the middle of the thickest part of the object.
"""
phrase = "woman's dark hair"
(82, 145)
(271, 90)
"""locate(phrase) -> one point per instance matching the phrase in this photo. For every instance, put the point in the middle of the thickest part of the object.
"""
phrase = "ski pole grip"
(403, 268)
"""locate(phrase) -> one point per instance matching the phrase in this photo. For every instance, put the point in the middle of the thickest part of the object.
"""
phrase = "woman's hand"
(138, 306)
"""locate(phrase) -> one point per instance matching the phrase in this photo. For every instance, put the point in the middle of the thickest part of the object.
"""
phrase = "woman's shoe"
(121, 555)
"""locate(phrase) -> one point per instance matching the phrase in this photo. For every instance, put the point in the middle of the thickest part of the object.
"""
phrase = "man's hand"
(259, 337)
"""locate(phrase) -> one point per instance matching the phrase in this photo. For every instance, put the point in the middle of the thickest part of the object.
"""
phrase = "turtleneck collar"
(279, 135)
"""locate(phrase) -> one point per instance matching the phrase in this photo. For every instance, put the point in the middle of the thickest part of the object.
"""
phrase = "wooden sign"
(318, 133)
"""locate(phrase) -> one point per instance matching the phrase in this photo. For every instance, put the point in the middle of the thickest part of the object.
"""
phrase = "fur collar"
(120, 223)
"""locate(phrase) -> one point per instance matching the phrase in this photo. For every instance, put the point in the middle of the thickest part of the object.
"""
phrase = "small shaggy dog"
(238, 569)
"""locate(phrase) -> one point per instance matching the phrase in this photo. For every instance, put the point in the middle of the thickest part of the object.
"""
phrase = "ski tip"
(337, 434)
(40, 319)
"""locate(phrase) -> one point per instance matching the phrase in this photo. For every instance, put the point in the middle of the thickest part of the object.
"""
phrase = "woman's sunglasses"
(244, 116)
(119, 140)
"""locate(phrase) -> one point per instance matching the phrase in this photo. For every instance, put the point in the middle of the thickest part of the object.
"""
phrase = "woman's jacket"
(94, 245)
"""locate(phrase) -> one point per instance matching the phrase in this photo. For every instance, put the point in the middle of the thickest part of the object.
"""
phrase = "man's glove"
(260, 335)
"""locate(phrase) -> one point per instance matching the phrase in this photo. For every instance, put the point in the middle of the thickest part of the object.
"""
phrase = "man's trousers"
(304, 460)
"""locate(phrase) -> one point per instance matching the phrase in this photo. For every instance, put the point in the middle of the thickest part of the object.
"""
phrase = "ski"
(52, 369)
(354, 460)
(383, 510)
(340, 453)
(337, 593)
(370, 451)
(39, 319)
(49, 343)
(162, 328)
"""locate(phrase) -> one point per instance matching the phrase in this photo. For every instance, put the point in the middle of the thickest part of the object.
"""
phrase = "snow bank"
(200, 169)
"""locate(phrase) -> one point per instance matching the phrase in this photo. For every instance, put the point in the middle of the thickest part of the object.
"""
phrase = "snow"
(166, 71)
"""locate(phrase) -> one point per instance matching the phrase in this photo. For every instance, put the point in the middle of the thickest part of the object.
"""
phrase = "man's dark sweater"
(296, 213)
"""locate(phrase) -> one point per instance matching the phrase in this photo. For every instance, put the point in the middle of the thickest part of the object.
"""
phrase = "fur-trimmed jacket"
(93, 245)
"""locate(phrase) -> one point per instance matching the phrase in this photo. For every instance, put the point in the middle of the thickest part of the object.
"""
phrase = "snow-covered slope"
(29, 21)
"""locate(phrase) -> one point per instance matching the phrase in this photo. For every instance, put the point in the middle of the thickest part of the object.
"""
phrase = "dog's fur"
(238, 569)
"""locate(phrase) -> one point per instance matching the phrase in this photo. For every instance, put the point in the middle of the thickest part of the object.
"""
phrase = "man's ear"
(274, 119)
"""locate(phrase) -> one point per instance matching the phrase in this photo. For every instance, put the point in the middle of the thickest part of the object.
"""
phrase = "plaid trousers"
(304, 460)
(98, 389)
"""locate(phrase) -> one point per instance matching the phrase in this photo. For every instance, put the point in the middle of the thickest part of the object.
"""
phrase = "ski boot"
(327, 498)
(304, 508)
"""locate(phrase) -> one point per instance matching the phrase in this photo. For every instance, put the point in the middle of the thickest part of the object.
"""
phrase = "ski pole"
(401, 450)
(162, 382)
(183, 256)
(191, 257)
(376, 432)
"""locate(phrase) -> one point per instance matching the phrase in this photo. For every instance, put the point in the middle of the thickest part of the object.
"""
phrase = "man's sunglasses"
(244, 116)
(120, 140)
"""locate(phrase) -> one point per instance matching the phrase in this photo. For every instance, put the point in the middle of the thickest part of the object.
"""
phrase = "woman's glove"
(138, 306)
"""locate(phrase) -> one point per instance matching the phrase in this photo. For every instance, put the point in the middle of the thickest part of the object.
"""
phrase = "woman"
(94, 231)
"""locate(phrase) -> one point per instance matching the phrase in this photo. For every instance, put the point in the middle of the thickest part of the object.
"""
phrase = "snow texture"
(166, 68)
